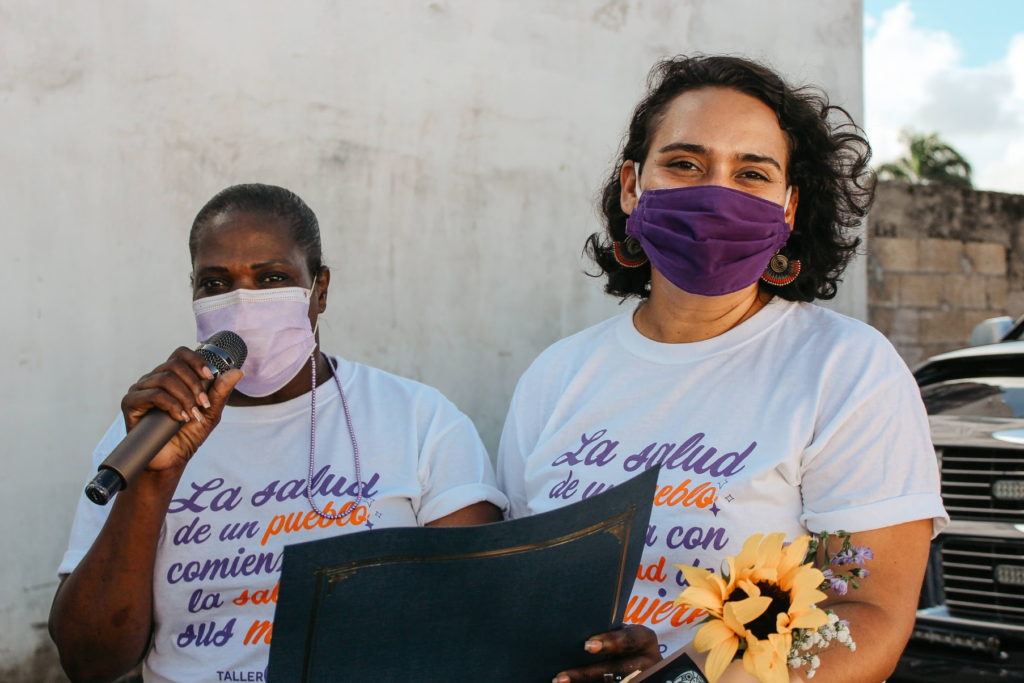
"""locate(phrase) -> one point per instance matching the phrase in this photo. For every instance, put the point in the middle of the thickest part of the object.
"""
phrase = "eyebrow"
(254, 266)
(268, 264)
(701, 149)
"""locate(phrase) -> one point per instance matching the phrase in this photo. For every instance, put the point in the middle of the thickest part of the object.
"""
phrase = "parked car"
(970, 625)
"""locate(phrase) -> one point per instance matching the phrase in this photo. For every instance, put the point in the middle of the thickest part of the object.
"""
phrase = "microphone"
(222, 352)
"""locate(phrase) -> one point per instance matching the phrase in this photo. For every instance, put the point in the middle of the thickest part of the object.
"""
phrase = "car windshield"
(976, 397)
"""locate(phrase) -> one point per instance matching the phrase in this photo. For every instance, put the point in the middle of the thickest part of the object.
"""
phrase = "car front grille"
(983, 578)
(983, 484)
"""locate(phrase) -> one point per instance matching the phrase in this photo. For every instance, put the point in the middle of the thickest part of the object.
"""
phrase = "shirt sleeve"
(512, 464)
(454, 470)
(89, 517)
(871, 464)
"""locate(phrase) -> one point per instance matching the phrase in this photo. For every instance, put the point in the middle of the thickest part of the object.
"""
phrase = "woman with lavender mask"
(302, 447)
(730, 211)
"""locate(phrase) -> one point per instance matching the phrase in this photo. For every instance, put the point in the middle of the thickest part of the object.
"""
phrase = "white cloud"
(913, 78)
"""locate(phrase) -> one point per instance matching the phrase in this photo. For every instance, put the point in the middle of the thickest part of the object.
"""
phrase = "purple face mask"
(708, 240)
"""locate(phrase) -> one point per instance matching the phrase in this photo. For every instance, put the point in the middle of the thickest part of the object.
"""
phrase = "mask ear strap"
(310, 296)
(636, 171)
(789, 193)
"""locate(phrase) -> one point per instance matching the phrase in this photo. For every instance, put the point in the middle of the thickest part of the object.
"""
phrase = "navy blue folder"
(508, 602)
(676, 668)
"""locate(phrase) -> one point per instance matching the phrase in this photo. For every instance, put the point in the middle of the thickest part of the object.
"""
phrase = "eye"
(683, 164)
(210, 284)
(754, 175)
(274, 278)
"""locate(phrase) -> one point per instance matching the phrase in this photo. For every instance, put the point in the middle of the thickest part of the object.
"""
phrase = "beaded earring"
(781, 270)
(629, 253)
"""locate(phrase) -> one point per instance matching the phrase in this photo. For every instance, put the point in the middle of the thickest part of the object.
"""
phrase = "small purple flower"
(838, 585)
(857, 555)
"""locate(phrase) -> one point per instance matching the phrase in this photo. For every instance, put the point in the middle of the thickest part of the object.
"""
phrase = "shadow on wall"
(44, 666)
(940, 260)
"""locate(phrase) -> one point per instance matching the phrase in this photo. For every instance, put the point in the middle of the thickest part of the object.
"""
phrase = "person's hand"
(631, 648)
(176, 387)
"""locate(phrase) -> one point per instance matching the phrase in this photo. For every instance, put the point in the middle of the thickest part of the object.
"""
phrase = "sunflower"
(767, 594)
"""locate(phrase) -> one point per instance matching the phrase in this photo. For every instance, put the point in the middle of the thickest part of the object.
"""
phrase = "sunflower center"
(767, 623)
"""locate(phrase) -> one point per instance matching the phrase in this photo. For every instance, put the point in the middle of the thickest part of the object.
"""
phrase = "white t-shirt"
(243, 498)
(797, 420)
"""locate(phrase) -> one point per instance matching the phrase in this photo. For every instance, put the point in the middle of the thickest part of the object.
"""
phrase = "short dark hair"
(828, 161)
(268, 200)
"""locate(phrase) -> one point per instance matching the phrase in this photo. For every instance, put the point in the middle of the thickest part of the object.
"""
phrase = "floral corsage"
(764, 611)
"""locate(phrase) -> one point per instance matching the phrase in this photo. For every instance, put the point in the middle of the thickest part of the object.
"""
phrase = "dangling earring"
(781, 270)
(629, 253)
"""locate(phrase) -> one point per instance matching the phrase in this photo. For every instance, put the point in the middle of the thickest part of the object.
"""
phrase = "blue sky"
(952, 67)
(981, 28)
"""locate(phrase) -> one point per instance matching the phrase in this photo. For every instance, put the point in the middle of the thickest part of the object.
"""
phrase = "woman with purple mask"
(732, 209)
(301, 447)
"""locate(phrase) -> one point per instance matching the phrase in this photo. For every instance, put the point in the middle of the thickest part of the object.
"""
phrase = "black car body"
(970, 625)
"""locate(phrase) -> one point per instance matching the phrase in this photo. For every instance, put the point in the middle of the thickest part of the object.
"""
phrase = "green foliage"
(930, 162)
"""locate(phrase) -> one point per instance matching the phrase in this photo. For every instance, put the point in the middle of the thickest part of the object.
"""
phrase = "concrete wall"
(451, 150)
(942, 260)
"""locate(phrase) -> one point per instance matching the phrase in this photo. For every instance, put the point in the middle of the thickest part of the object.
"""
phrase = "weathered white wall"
(451, 150)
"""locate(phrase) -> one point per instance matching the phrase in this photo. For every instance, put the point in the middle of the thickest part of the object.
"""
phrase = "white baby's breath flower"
(810, 673)
(832, 617)
(815, 662)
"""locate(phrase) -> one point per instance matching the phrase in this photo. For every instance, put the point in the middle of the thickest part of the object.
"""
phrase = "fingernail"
(184, 416)
(199, 416)
(207, 373)
(561, 678)
(592, 646)
(204, 399)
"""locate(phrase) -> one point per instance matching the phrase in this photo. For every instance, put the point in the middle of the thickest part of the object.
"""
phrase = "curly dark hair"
(828, 161)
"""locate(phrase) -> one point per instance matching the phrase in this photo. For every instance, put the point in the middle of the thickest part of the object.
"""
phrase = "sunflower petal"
(804, 600)
(750, 589)
(703, 598)
(815, 618)
(740, 612)
(771, 549)
(720, 658)
(782, 644)
(782, 623)
(778, 665)
(702, 578)
(769, 574)
(748, 555)
(804, 577)
(711, 635)
(793, 554)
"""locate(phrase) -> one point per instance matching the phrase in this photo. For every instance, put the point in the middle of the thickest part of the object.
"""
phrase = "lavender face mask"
(708, 240)
(273, 323)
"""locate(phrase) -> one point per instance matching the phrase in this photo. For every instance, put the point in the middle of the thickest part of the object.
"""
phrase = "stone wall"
(941, 260)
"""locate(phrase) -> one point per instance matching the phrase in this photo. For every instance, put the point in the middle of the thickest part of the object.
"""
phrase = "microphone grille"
(232, 346)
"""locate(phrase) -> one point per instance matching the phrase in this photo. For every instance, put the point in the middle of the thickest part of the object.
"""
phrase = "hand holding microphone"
(170, 412)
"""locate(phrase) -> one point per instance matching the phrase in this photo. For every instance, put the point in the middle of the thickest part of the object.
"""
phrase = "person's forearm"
(878, 650)
(102, 615)
(880, 638)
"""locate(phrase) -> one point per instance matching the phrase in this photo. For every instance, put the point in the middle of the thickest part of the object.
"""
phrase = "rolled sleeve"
(872, 464)
(454, 471)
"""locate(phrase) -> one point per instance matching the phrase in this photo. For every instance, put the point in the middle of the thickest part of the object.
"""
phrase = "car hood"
(977, 432)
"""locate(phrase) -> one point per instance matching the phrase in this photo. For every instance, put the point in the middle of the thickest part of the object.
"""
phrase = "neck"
(299, 385)
(672, 316)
